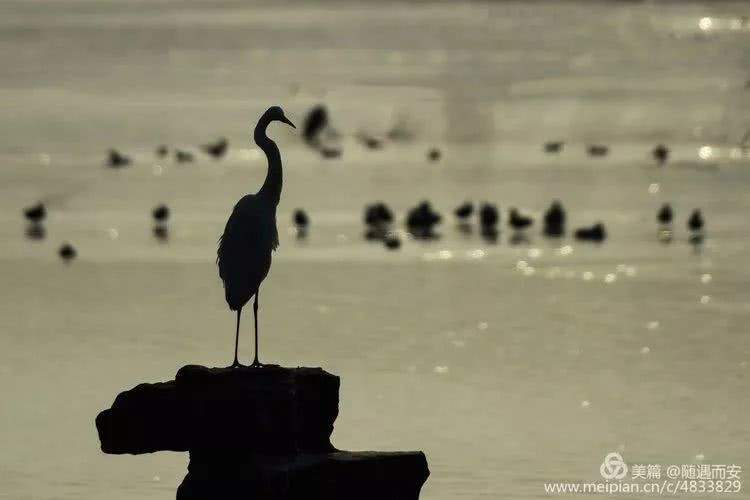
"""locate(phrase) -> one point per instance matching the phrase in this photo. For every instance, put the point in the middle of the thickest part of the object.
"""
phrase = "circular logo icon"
(613, 467)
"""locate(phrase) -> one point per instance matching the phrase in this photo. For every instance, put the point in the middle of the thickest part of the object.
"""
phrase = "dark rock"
(256, 433)
(517, 221)
(553, 146)
(464, 210)
(340, 475)
(271, 410)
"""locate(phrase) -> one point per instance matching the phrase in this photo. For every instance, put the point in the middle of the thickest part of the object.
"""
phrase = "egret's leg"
(255, 313)
(237, 340)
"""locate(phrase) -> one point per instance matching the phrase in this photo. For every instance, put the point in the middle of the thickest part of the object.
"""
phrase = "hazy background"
(510, 366)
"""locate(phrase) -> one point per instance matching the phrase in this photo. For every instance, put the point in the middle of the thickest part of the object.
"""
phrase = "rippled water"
(510, 366)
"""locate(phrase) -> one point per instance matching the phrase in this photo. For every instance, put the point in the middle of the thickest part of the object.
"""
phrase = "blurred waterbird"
(695, 224)
(183, 156)
(301, 222)
(250, 235)
(378, 218)
(553, 146)
(489, 217)
(434, 154)
(554, 220)
(598, 150)
(216, 149)
(115, 159)
(421, 221)
(67, 252)
(35, 215)
(661, 154)
(160, 215)
(664, 217)
(595, 233)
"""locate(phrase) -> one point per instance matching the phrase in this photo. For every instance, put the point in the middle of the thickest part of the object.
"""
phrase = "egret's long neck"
(272, 185)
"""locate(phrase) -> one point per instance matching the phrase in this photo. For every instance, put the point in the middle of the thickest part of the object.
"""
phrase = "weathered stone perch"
(255, 433)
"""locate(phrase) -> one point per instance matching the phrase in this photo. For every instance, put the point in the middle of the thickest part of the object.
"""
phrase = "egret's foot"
(236, 364)
(257, 364)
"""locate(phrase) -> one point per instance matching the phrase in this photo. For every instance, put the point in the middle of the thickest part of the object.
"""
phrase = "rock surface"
(271, 410)
(341, 475)
(256, 433)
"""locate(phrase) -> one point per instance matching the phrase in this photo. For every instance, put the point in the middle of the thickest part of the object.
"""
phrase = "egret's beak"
(286, 120)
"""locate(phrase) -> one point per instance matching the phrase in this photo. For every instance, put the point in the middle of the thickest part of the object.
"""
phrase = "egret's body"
(250, 236)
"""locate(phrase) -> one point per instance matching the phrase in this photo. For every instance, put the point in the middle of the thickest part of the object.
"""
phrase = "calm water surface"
(510, 366)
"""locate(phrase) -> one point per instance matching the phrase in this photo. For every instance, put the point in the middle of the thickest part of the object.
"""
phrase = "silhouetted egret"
(595, 233)
(553, 146)
(554, 220)
(434, 154)
(661, 154)
(67, 252)
(250, 236)
(183, 156)
(115, 159)
(598, 150)
(216, 149)
(301, 222)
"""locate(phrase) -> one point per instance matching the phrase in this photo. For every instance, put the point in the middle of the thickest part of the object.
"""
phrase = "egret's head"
(275, 113)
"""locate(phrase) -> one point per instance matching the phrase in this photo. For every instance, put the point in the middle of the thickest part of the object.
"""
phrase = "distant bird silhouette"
(421, 221)
(665, 214)
(216, 149)
(160, 213)
(378, 218)
(434, 154)
(35, 213)
(517, 221)
(314, 124)
(301, 222)
(370, 142)
(554, 220)
(661, 154)
(392, 242)
(115, 159)
(67, 252)
(695, 222)
(598, 150)
(464, 211)
(162, 151)
(664, 217)
(183, 156)
(250, 236)
(595, 233)
(330, 152)
(489, 217)
(553, 146)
